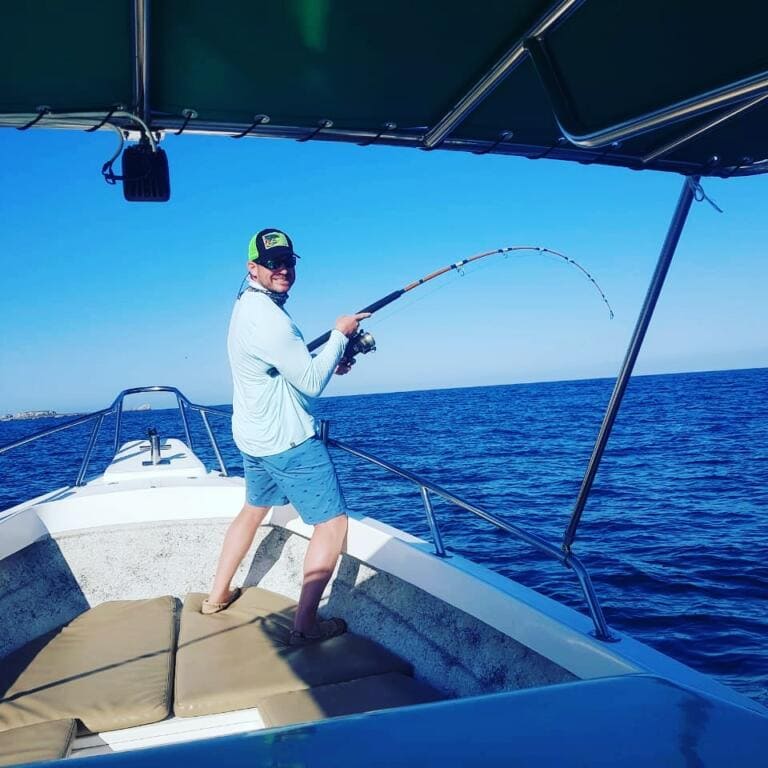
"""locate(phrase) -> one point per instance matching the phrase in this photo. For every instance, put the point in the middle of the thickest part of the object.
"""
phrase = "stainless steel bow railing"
(116, 408)
(568, 559)
(426, 488)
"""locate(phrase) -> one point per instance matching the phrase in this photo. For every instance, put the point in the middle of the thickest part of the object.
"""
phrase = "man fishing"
(275, 380)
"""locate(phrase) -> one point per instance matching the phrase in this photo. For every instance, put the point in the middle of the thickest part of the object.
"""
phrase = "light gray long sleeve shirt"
(271, 414)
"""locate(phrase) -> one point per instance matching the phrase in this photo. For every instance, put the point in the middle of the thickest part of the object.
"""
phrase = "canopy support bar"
(494, 76)
(573, 130)
(141, 59)
(646, 312)
(690, 135)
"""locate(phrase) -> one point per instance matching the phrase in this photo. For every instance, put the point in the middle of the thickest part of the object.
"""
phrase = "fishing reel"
(360, 343)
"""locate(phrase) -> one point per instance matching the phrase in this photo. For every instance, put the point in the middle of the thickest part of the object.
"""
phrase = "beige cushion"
(111, 667)
(43, 741)
(363, 695)
(233, 659)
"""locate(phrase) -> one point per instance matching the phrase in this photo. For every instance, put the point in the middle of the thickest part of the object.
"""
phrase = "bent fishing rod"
(362, 342)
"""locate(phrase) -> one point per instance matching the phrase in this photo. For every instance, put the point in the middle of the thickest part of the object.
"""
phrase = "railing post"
(118, 424)
(88, 451)
(432, 520)
(215, 444)
(593, 604)
(184, 421)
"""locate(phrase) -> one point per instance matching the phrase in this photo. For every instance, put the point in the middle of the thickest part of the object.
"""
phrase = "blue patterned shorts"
(303, 475)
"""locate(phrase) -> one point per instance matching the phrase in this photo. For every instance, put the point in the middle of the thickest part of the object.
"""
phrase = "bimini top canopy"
(674, 86)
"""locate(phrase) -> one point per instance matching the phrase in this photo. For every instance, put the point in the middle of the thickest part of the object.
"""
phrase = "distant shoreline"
(29, 415)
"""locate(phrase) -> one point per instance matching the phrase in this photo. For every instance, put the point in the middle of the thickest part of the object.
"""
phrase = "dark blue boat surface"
(632, 721)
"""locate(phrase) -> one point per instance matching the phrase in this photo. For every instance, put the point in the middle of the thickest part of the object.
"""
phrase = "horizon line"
(404, 391)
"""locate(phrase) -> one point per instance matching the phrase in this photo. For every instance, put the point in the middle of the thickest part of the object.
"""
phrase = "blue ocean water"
(674, 534)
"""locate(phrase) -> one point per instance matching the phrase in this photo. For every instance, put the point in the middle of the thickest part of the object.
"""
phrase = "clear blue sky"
(100, 294)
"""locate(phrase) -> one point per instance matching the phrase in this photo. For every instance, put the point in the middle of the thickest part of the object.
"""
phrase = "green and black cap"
(270, 244)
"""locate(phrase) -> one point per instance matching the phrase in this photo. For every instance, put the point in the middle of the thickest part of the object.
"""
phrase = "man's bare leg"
(323, 552)
(236, 543)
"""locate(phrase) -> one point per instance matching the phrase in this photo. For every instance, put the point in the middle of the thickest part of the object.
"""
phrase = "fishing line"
(459, 275)
(416, 300)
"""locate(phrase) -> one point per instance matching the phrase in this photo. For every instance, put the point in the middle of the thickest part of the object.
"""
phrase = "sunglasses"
(283, 262)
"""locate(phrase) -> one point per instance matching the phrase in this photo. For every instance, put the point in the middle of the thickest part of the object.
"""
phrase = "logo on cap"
(274, 239)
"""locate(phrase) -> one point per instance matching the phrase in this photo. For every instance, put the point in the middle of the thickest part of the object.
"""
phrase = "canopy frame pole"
(701, 130)
(746, 89)
(141, 59)
(646, 313)
(495, 75)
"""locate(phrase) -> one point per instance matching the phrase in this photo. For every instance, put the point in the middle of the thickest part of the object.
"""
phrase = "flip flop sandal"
(324, 630)
(208, 607)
